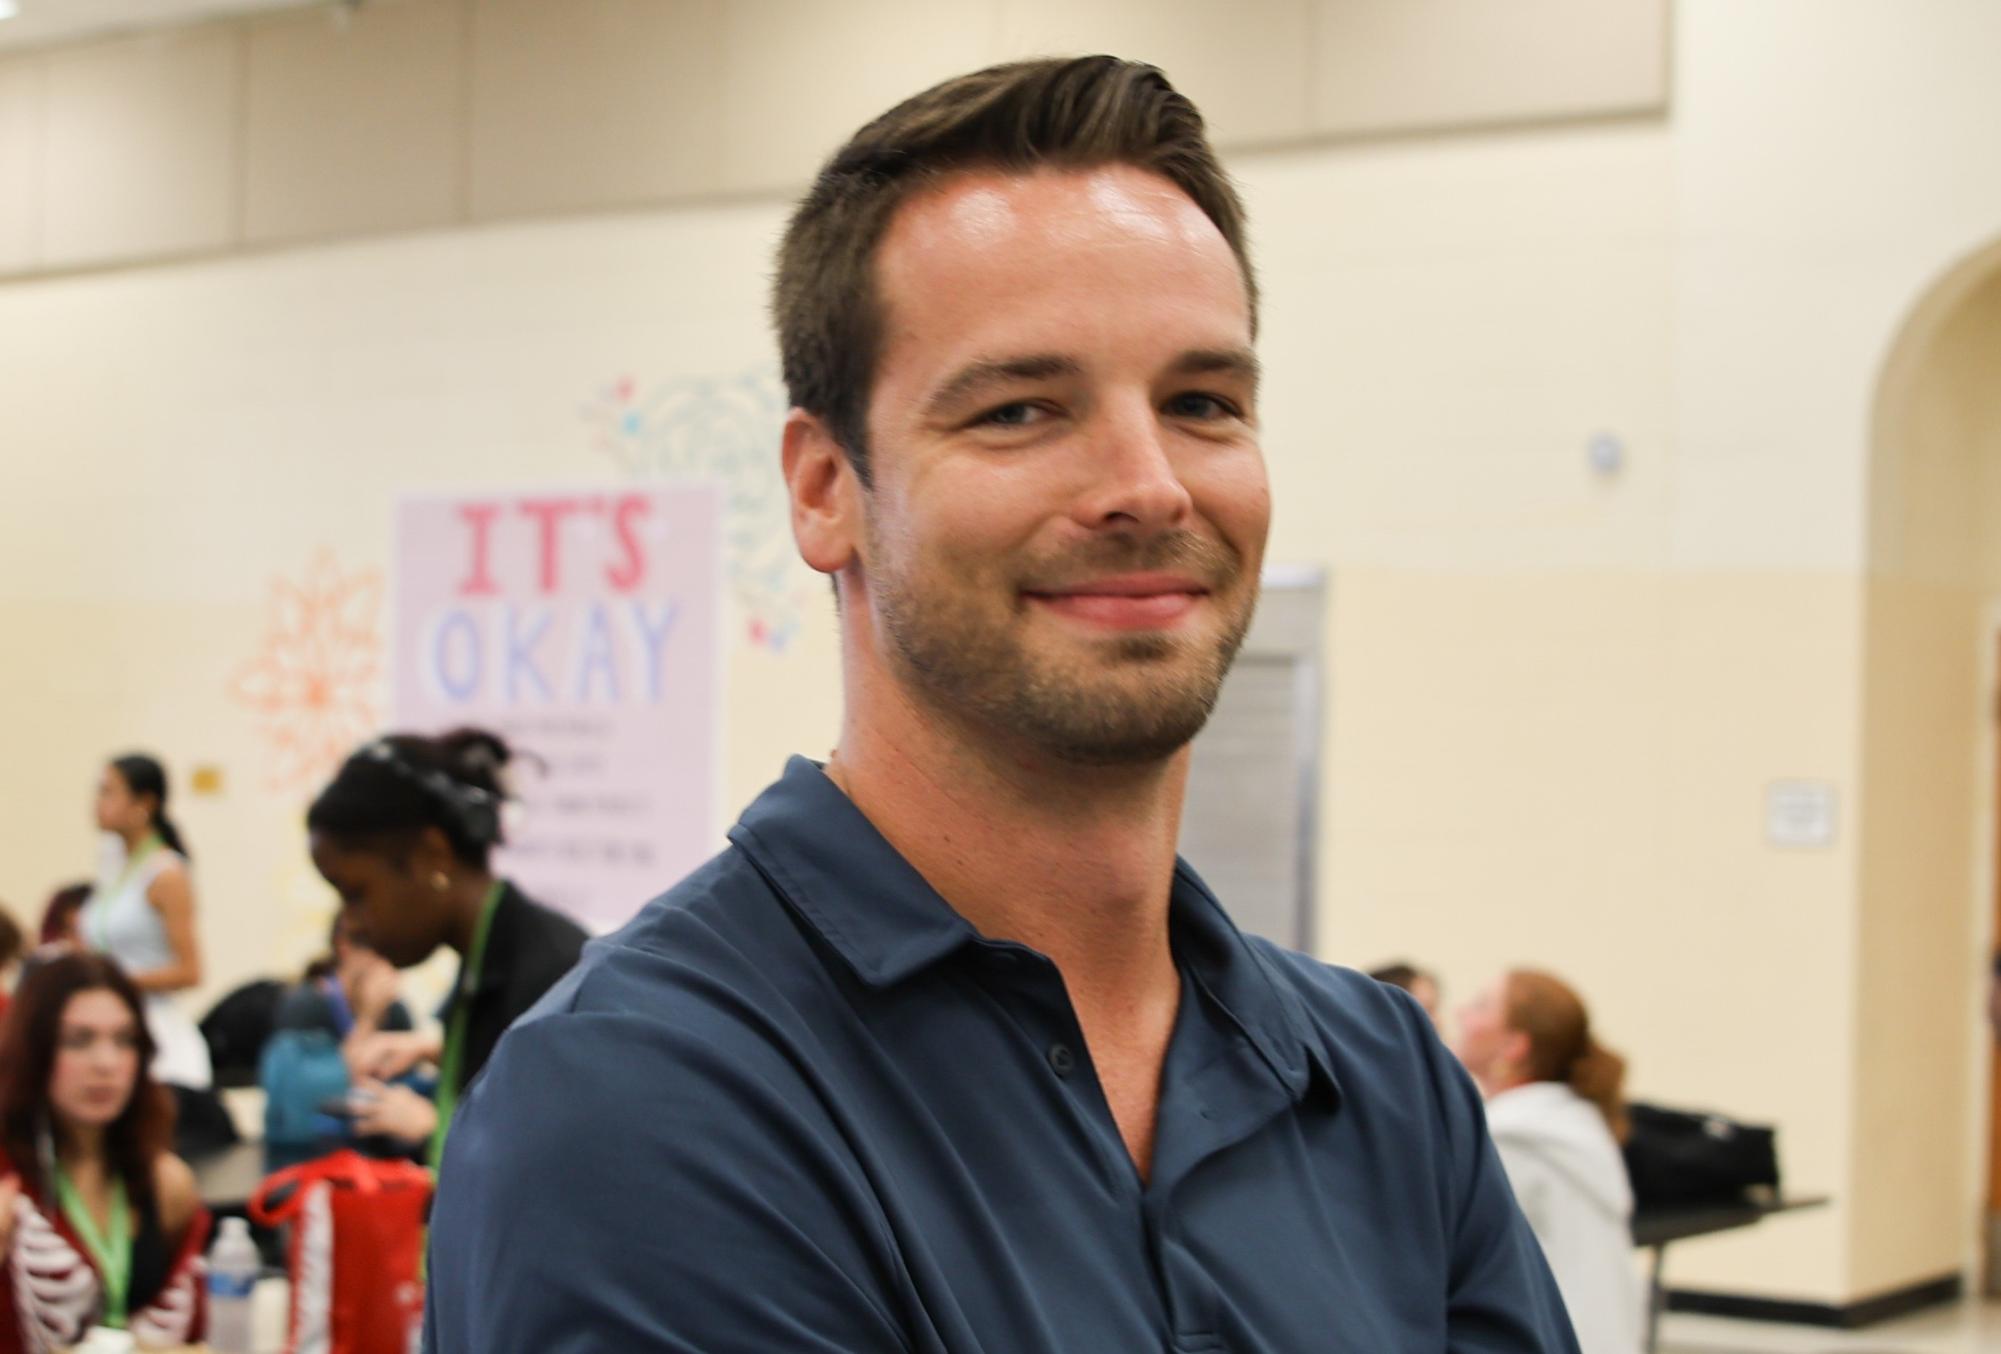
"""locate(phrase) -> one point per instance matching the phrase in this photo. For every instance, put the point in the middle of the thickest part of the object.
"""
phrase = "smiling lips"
(1148, 601)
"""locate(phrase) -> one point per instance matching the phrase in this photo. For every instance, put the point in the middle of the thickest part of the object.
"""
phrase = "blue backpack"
(300, 1071)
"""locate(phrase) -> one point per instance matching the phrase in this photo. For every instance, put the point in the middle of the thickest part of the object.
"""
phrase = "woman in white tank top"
(142, 913)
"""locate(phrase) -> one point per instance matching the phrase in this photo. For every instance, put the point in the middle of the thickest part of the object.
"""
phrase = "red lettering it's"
(478, 581)
(549, 514)
(629, 570)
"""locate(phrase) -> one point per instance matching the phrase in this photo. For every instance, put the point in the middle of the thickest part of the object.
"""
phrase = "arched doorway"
(1931, 776)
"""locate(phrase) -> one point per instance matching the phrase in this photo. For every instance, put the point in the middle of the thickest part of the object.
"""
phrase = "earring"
(440, 880)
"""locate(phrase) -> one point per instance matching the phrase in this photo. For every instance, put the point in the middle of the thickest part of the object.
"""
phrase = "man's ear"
(826, 495)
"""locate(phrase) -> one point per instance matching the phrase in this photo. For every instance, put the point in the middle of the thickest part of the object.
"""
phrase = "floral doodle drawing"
(722, 430)
(315, 683)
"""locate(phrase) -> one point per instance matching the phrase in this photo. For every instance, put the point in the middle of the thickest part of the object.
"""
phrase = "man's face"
(1069, 505)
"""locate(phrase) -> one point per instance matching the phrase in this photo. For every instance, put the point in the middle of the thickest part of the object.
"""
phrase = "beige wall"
(1555, 698)
(1912, 1195)
(333, 121)
(180, 441)
(1928, 754)
(1567, 770)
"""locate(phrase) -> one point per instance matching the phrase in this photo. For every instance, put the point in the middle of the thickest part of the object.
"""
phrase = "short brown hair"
(1071, 112)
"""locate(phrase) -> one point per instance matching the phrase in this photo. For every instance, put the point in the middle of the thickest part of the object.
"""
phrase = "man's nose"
(1135, 482)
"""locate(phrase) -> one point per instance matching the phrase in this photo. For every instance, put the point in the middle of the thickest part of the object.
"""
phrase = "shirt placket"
(1217, 1091)
(1040, 1006)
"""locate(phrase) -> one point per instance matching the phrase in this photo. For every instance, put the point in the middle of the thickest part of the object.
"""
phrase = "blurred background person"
(11, 946)
(1414, 980)
(1556, 1111)
(99, 1222)
(346, 997)
(404, 833)
(59, 915)
(350, 992)
(141, 913)
(57, 934)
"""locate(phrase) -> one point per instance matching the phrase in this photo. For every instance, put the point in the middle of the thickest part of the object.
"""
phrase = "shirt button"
(1062, 1059)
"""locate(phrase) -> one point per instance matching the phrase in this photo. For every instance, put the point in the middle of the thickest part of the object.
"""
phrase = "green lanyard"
(102, 916)
(113, 1250)
(455, 1037)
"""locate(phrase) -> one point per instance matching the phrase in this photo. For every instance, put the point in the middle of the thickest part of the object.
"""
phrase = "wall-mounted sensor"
(1607, 453)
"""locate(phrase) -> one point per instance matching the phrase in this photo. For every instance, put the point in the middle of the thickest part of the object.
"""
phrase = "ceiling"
(41, 22)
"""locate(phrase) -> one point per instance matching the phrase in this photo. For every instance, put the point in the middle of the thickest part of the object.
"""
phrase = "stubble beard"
(1134, 700)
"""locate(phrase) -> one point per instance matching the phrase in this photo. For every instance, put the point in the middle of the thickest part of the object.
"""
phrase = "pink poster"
(582, 627)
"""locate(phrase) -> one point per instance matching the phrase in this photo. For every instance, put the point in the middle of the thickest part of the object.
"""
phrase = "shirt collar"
(873, 908)
(847, 882)
(1243, 981)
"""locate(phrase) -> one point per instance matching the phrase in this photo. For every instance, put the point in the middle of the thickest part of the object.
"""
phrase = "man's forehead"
(987, 208)
(1011, 262)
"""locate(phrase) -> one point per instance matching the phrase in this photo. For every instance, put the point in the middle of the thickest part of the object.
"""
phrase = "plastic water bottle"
(233, 1265)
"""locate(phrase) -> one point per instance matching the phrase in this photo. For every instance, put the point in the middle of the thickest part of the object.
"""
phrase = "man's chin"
(1128, 719)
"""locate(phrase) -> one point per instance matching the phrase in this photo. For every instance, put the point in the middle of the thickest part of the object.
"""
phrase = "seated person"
(1555, 1111)
(1413, 980)
(59, 917)
(350, 992)
(58, 934)
(11, 946)
(100, 1224)
(346, 999)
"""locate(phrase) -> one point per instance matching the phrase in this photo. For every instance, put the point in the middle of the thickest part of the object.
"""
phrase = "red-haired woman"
(1556, 1110)
(100, 1224)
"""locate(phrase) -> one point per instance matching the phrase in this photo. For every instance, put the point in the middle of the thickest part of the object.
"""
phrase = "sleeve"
(617, 1183)
(1501, 1297)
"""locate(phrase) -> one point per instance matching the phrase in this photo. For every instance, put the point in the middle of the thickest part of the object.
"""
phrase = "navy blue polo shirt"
(799, 1104)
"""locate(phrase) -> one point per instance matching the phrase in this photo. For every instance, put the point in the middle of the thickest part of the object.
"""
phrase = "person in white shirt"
(141, 914)
(1556, 1113)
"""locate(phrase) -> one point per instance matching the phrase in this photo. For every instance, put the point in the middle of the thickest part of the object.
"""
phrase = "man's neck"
(1073, 861)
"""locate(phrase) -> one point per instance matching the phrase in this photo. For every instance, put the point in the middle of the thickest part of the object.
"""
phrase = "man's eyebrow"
(971, 379)
(1239, 362)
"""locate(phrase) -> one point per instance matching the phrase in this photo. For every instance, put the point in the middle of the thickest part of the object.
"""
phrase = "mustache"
(1214, 562)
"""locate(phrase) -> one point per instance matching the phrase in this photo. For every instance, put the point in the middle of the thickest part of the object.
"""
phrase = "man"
(948, 1052)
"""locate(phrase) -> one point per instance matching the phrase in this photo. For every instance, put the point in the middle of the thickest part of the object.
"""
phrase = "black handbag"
(1684, 1157)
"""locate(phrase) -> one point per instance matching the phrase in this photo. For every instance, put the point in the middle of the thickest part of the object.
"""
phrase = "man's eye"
(1197, 405)
(1017, 415)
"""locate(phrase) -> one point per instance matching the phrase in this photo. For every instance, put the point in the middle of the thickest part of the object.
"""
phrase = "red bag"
(356, 1251)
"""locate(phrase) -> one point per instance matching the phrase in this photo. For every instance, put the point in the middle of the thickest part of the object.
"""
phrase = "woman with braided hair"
(404, 833)
(1556, 1111)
